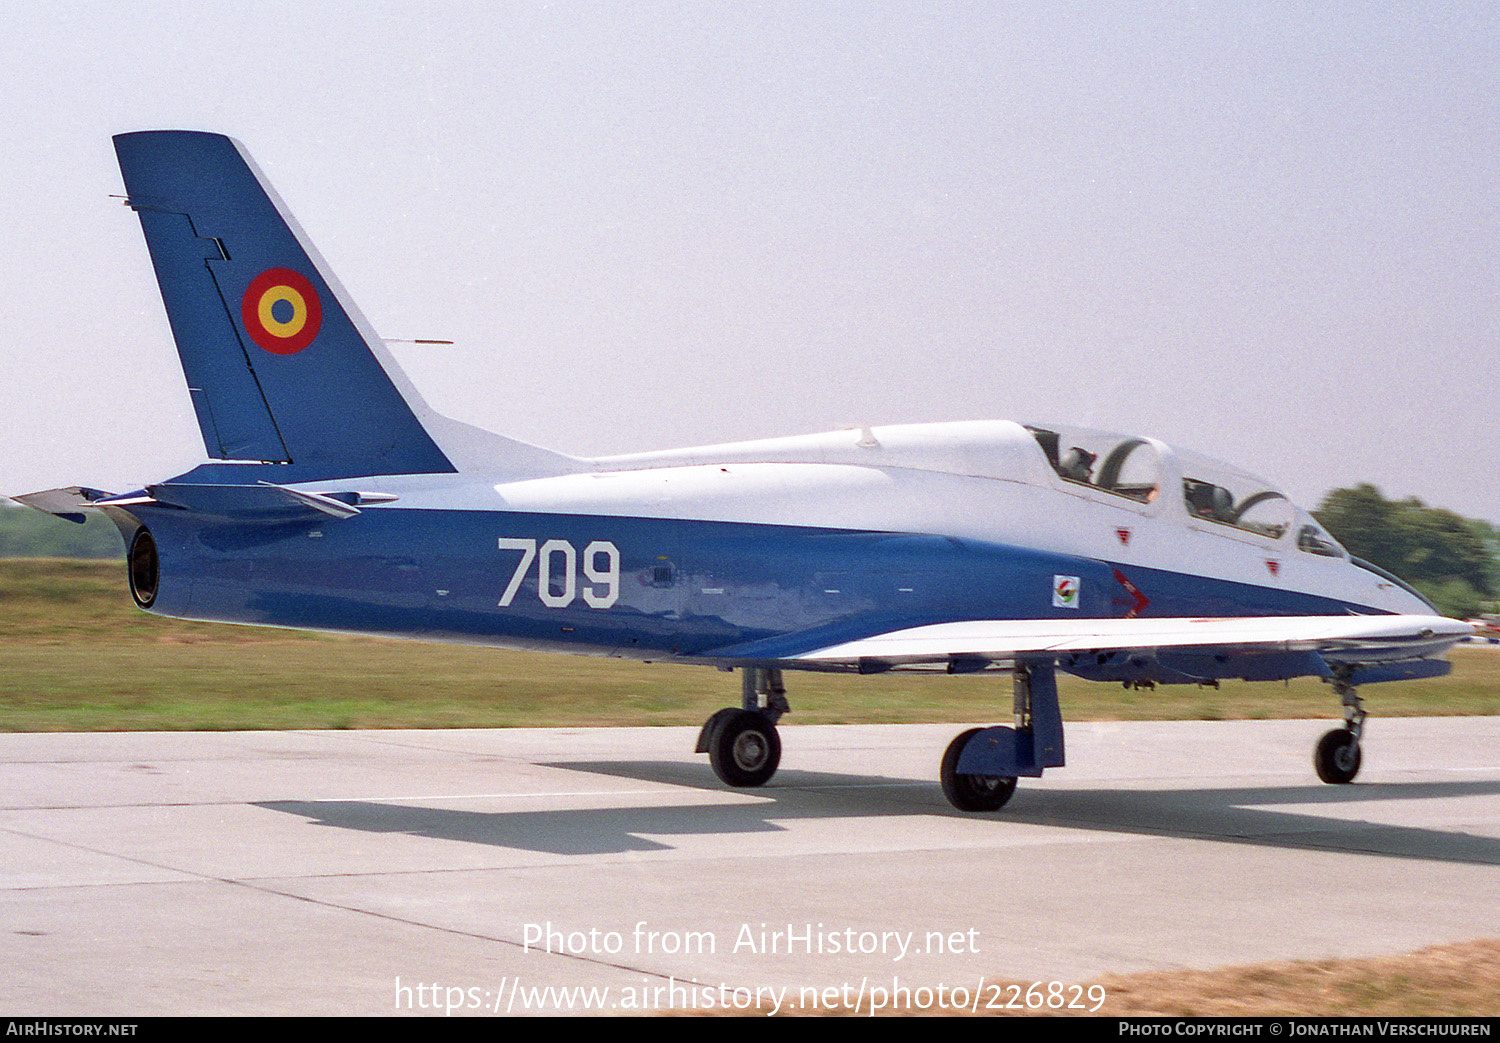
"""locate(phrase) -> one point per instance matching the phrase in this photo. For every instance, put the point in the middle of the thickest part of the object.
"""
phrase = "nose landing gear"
(1337, 757)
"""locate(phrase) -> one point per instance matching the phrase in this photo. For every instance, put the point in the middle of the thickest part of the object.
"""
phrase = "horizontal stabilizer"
(261, 503)
(69, 503)
(264, 502)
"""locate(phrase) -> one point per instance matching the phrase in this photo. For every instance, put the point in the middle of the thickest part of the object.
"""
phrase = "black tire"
(745, 749)
(1337, 757)
(973, 792)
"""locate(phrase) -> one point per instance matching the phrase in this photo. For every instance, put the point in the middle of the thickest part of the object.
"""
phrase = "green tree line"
(1453, 560)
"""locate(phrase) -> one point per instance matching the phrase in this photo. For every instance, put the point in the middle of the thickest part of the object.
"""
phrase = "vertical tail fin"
(280, 364)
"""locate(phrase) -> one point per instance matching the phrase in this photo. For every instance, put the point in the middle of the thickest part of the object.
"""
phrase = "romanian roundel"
(281, 311)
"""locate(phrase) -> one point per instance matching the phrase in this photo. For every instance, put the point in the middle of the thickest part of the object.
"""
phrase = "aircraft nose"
(1394, 593)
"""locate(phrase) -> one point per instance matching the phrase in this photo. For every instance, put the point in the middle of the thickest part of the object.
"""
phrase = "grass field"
(76, 655)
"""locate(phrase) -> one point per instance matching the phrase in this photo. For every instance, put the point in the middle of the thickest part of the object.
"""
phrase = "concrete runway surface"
(380, 872)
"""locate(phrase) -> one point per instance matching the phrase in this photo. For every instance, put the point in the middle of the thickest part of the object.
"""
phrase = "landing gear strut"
(1337, 756)
(742, 744)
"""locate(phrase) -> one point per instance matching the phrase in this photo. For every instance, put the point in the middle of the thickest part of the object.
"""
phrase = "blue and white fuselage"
(785, 545)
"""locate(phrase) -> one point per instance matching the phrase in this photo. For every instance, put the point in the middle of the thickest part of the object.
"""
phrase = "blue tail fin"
(282, 368)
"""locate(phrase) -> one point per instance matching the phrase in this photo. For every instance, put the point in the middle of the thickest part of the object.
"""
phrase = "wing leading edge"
(1336, 639)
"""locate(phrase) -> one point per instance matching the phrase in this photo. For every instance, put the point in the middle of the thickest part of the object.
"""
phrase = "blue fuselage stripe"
(675, 587)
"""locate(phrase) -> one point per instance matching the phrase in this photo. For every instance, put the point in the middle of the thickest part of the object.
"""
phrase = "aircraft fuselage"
(658, 557)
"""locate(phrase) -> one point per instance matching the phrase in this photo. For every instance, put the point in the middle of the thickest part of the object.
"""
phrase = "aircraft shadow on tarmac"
(1246, 815)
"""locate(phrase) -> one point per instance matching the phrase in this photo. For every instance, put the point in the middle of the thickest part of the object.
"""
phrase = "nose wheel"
(1337, 757)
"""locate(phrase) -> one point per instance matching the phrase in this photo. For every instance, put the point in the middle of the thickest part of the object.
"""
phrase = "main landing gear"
(980, 767)
(1337, 755)
(742, 744)
(972, 792)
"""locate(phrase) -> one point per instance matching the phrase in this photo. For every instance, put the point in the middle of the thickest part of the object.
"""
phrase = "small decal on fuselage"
(1065, 591)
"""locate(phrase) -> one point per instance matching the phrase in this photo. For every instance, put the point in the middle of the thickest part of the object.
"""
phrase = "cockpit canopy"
(1128, 467)
(1143, 470)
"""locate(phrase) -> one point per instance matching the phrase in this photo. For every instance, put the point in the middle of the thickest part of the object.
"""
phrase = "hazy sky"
(1264, 231)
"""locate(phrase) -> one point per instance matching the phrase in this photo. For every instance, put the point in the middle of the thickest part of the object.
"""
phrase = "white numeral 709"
(548, 565)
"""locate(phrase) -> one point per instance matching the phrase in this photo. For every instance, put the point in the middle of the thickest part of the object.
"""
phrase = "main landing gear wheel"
(1337, 756)
(745, 749)
(973, 792)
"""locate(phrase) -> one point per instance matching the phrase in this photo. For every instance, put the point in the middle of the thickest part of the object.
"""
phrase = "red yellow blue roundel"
(281, 311)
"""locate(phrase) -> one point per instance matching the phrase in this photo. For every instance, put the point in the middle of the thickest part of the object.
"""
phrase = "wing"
(1390, 647)
(1362, 638)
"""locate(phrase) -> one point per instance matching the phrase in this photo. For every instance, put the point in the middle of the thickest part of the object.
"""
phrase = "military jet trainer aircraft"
(339, 501)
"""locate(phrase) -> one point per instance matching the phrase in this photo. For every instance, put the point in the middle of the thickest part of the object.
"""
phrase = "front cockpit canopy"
(1128, 467)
